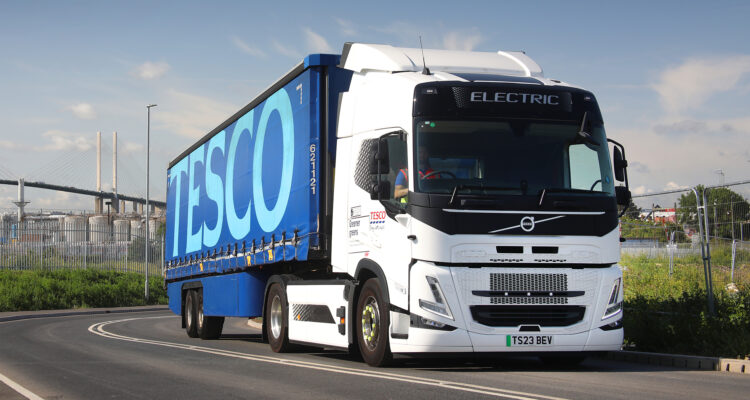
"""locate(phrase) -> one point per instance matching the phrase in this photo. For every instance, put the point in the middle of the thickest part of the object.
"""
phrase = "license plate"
(528, 340)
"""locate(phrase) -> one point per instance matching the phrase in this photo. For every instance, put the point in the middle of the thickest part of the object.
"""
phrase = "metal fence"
(76, 242)
(706, 227)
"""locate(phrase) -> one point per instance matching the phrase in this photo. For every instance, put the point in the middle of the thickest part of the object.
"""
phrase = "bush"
(84, 288)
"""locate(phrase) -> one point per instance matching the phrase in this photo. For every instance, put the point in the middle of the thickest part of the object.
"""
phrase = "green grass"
(84, 288)
(670, 314)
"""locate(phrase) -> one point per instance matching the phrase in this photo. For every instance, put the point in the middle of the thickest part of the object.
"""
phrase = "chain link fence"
(78, 241)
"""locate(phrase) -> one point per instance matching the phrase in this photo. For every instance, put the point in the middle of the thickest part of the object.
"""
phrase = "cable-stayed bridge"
(78, 170)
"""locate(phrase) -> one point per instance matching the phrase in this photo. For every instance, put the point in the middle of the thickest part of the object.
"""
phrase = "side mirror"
(623, 195)
(619, 164)
(380, 190)
(379, 161)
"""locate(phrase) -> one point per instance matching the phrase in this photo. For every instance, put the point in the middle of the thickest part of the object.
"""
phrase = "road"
(147, 355)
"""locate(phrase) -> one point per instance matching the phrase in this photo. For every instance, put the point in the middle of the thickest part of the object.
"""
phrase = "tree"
(633, 211)
(725, 210)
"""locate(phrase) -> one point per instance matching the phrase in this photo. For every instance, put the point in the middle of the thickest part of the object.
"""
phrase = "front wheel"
(372, 325)
(275, 319)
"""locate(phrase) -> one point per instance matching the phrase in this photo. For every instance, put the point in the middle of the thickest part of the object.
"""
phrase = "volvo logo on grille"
(527, 224)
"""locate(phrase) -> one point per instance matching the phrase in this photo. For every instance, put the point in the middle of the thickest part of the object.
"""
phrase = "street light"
(148, 149)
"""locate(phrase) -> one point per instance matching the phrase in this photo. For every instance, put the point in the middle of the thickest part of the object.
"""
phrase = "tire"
(209, 328)
(372, 321)
(276, 317)
(191, 314)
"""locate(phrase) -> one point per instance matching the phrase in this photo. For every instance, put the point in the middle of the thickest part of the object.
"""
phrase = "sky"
(672, 77)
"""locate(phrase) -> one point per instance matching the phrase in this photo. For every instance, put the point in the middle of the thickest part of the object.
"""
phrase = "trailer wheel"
(209, 328)
(372, 325)
(191, 319)
(276, 323)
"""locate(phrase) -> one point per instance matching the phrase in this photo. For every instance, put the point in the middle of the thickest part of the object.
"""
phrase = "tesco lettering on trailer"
(232, 189)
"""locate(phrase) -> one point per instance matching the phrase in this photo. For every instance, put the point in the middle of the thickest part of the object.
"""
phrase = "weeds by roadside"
(669, 314)
(82, 288)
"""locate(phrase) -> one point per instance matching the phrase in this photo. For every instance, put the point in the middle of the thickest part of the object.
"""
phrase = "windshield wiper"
(560, 190)
(477, 187)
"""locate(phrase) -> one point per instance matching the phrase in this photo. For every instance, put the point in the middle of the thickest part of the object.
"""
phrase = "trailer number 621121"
(313, 176)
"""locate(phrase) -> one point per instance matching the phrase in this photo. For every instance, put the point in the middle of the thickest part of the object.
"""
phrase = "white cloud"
(7, 144)
(130, 147)
(347, 27)
(191, 115)
(246, 48)
(466, 41)
(286, 51)
(64, 141)
(688, 86)
(83, 111)
(674, 186)
(315, 42)
(151, 70)
(639, 190)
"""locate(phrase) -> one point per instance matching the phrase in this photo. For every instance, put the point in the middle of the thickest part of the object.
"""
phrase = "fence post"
(705, 251)
(672, 246)
(734, 256)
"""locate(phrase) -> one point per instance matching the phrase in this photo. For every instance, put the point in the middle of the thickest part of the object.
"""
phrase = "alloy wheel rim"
(370, 319)
(276, 317)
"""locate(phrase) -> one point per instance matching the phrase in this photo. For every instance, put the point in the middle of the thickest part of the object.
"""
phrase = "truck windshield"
(511, 157)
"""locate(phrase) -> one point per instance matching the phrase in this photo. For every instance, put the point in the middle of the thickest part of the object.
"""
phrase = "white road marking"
(98, 329)
(20, 389)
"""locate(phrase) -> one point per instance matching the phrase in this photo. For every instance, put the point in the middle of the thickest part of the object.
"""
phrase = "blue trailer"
(252, 198)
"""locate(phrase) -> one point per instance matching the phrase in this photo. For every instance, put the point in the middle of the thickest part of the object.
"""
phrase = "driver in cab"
(401, 189)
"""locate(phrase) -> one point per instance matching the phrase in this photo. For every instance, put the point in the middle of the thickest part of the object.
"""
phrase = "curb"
(682, 361)
(17, 316)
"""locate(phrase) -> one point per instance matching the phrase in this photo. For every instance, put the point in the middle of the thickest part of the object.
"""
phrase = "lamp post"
(148, 149)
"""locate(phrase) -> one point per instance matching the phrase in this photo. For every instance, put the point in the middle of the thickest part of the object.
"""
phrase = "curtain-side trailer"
(395, 200)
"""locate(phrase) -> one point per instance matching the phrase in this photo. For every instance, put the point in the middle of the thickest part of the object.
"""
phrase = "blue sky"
(672, 78)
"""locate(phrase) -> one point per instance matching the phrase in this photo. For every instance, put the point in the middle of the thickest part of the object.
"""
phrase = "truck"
(408, 201)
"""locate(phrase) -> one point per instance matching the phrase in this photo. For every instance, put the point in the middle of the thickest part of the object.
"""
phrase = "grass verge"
(670, 314)
(84, 288)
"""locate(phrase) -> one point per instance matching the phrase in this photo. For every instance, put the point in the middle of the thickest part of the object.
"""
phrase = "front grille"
(512, 315)
(528, 300)
(529, 282)
(510, 282)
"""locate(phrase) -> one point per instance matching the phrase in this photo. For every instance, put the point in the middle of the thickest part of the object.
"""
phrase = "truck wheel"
(276, 319)
(372, 325)
(191, 323)
(209, 328)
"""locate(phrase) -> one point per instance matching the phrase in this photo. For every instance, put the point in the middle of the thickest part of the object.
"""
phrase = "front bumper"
(463, 333)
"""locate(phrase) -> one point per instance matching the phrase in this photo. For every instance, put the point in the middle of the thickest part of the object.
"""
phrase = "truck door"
(378, 224)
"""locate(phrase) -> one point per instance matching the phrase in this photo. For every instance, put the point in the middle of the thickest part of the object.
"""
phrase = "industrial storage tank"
(121, 230)
(75, 228)
(99, 228)
(153, 227)
(59, 235)
(136, 229)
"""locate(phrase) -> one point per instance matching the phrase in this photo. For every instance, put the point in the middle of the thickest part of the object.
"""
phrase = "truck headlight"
(439, 306)
(614, 306)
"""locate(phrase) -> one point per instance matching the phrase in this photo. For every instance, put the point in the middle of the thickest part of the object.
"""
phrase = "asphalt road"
(147, 355)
